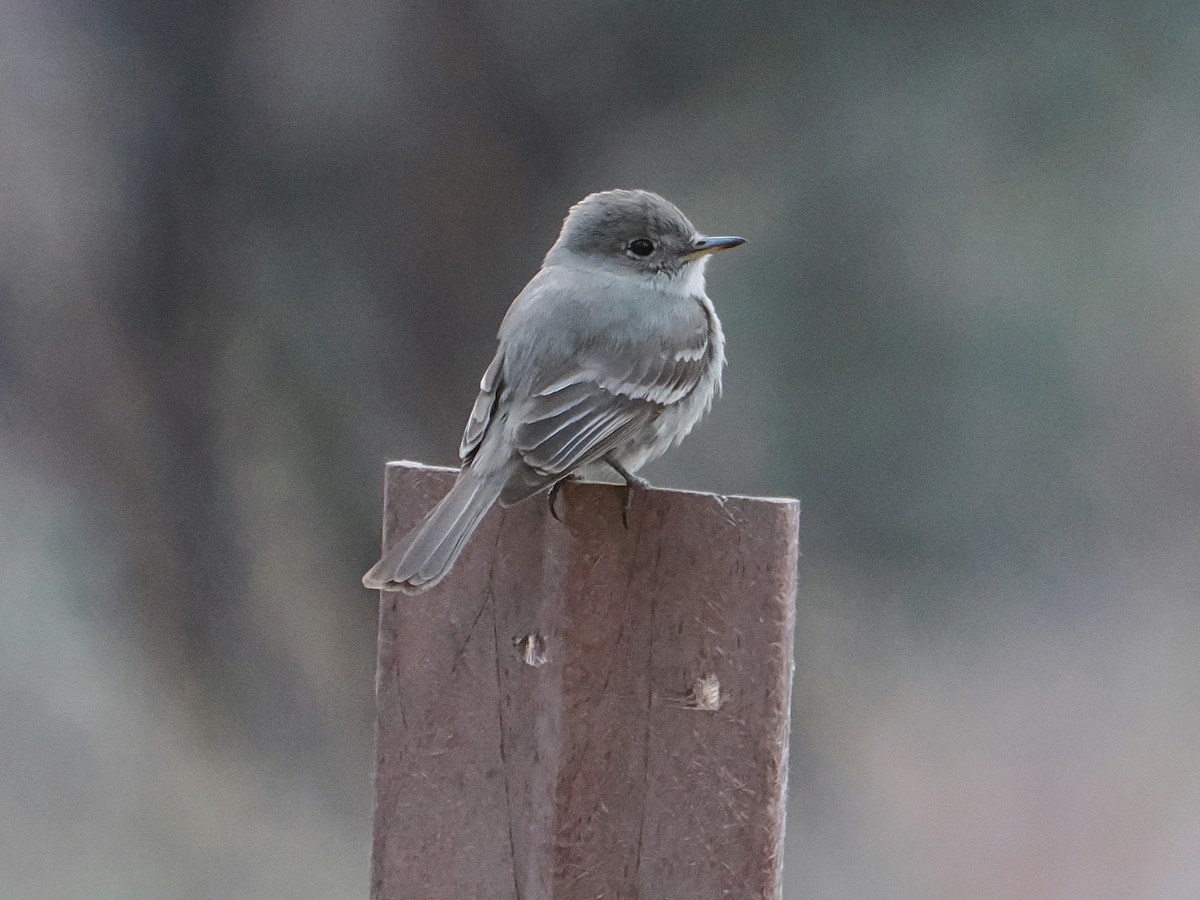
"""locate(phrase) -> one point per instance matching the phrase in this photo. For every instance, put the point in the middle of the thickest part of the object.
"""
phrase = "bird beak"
(704, 245)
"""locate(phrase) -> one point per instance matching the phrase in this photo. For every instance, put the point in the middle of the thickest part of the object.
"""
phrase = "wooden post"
(586, 711)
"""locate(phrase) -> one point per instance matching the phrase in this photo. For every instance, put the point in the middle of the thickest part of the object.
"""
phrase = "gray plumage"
(611, 354)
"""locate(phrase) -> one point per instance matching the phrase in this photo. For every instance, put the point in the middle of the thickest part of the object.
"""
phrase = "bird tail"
(423, 557)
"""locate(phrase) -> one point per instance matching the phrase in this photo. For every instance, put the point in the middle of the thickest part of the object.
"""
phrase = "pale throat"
(687, 283)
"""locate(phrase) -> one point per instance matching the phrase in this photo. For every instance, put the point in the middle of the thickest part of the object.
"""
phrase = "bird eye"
(641, 247)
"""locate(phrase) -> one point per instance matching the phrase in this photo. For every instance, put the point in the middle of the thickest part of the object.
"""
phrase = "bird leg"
(631, 481)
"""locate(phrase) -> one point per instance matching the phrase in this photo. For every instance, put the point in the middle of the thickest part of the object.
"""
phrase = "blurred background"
(249, 251)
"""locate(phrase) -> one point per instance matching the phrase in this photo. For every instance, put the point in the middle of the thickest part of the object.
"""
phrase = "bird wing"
(575, 424)
(606, 396)
(482, 411)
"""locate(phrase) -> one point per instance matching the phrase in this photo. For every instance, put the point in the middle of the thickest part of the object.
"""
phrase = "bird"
(606, 359)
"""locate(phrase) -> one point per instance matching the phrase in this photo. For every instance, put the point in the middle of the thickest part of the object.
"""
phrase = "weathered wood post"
(582, 711)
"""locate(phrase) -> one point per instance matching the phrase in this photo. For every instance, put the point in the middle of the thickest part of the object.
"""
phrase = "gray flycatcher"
(609, 356)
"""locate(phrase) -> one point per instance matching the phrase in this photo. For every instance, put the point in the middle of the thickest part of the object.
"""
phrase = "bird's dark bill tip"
(704, 245)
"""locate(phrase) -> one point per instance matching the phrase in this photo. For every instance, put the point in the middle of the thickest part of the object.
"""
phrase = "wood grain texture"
(582, 711)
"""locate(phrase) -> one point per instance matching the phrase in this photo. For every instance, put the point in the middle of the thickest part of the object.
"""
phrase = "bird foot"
(631, 481)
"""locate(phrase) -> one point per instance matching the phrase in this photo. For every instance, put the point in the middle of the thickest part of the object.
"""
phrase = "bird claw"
(631, 481)
(554, 489)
